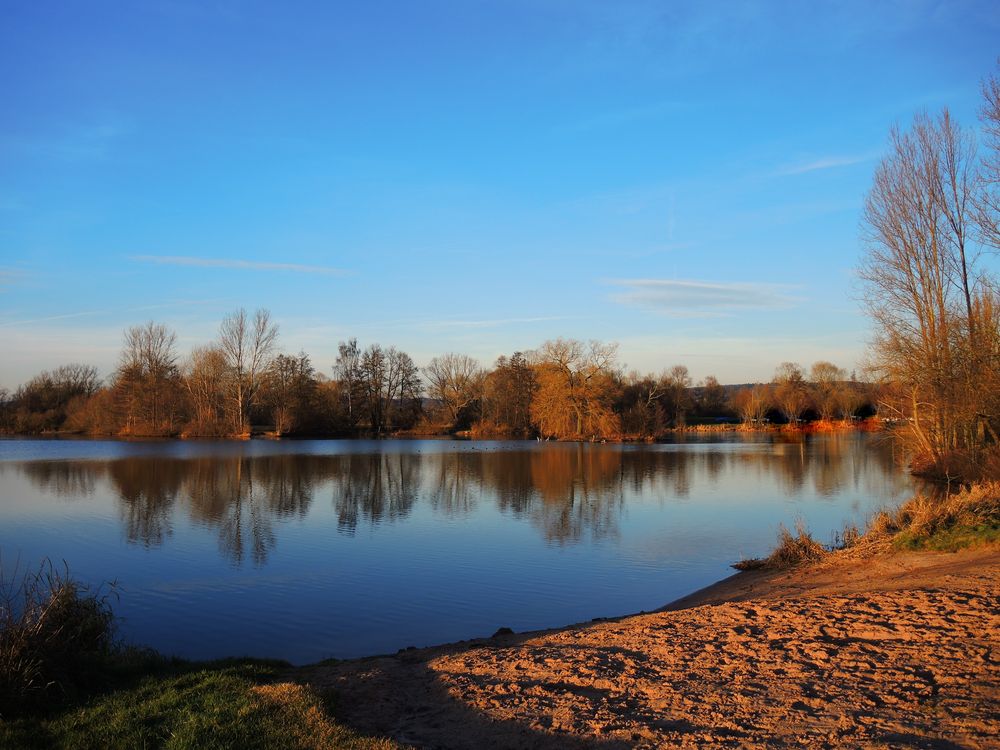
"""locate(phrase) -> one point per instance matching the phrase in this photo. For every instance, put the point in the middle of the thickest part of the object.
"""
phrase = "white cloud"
(701, 298)
(250, 265)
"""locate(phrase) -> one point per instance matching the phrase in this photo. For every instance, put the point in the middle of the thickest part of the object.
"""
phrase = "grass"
(65, 682)
(182, 705)
(946, 523)
(968, 518)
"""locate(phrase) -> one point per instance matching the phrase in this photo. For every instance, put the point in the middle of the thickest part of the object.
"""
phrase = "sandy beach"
(893, 650)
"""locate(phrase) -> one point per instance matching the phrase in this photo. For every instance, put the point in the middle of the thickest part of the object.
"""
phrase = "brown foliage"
(576, 389)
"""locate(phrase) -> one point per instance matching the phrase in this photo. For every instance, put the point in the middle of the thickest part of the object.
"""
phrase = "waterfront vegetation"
(565, 389)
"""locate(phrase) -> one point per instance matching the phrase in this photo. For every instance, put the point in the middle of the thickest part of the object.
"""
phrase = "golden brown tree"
(576, 389)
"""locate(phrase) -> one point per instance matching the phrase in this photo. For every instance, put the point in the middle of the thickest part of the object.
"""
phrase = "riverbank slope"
(895, 649)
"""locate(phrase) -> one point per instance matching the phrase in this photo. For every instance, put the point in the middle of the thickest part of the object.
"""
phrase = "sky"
(683, 178)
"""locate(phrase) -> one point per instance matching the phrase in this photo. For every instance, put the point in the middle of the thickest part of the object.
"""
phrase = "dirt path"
(897, 651)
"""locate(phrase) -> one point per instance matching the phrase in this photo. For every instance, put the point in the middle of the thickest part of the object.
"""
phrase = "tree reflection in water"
(374, 487)
(568, 491)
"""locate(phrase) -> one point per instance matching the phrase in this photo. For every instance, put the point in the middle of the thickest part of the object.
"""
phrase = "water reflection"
(567, 491)
(373, 487)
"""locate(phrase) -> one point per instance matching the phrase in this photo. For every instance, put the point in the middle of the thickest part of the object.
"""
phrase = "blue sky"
(683, 178)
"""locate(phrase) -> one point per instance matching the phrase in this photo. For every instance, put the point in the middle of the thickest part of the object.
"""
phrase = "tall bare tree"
(147, 382)
(347, 371)
(456, 381)
(934, 307)
(288, 391)
(247, 345)
(988, 199)
(390, 384)
(206, 377)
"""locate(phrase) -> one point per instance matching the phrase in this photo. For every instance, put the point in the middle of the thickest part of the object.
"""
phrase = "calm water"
(306, 550)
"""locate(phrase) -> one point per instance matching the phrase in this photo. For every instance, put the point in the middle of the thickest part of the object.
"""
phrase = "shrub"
(55, 638)
(794, 549)
(791, 550)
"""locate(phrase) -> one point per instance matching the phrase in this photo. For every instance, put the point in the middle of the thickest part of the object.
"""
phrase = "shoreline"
(862, 649)
(688, 672)
(811, 428)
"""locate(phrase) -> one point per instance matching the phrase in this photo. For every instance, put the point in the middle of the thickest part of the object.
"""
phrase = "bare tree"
(752, 403)
(347, 371)
(247, 345)
(147, 382)
(44, 402)
(206, 378)
(390, 385)
(827, 380)
(934, 309)
(790, 393)
(676, 386)
(640, 405)
(988, 199)
(456, 380)
(288, 390)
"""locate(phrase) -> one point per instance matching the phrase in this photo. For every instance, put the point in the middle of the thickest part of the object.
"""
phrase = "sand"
(897, 650)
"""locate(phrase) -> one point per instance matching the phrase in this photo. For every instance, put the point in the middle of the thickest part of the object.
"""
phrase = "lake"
(303, 550)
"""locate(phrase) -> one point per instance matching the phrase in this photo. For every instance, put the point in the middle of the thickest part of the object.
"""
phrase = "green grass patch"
(193, 705)
(950, 539)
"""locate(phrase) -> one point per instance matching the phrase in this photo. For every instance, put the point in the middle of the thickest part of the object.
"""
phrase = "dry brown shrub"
(54, 636)
(923, 515)
(795, 549)
(883, 524)
(791, 550)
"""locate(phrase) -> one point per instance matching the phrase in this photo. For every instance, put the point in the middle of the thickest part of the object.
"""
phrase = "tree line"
(240, 383)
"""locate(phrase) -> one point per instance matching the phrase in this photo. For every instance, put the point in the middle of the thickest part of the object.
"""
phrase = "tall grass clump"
(791, 550)
(56, 636)
(949, 522)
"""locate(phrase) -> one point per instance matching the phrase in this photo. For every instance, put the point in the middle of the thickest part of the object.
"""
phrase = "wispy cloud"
(823, 162)
(701, 298)
(91, 313)
(66, 316)
(246, 265)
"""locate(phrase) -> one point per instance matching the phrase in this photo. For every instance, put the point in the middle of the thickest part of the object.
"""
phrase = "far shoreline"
(810, 428)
